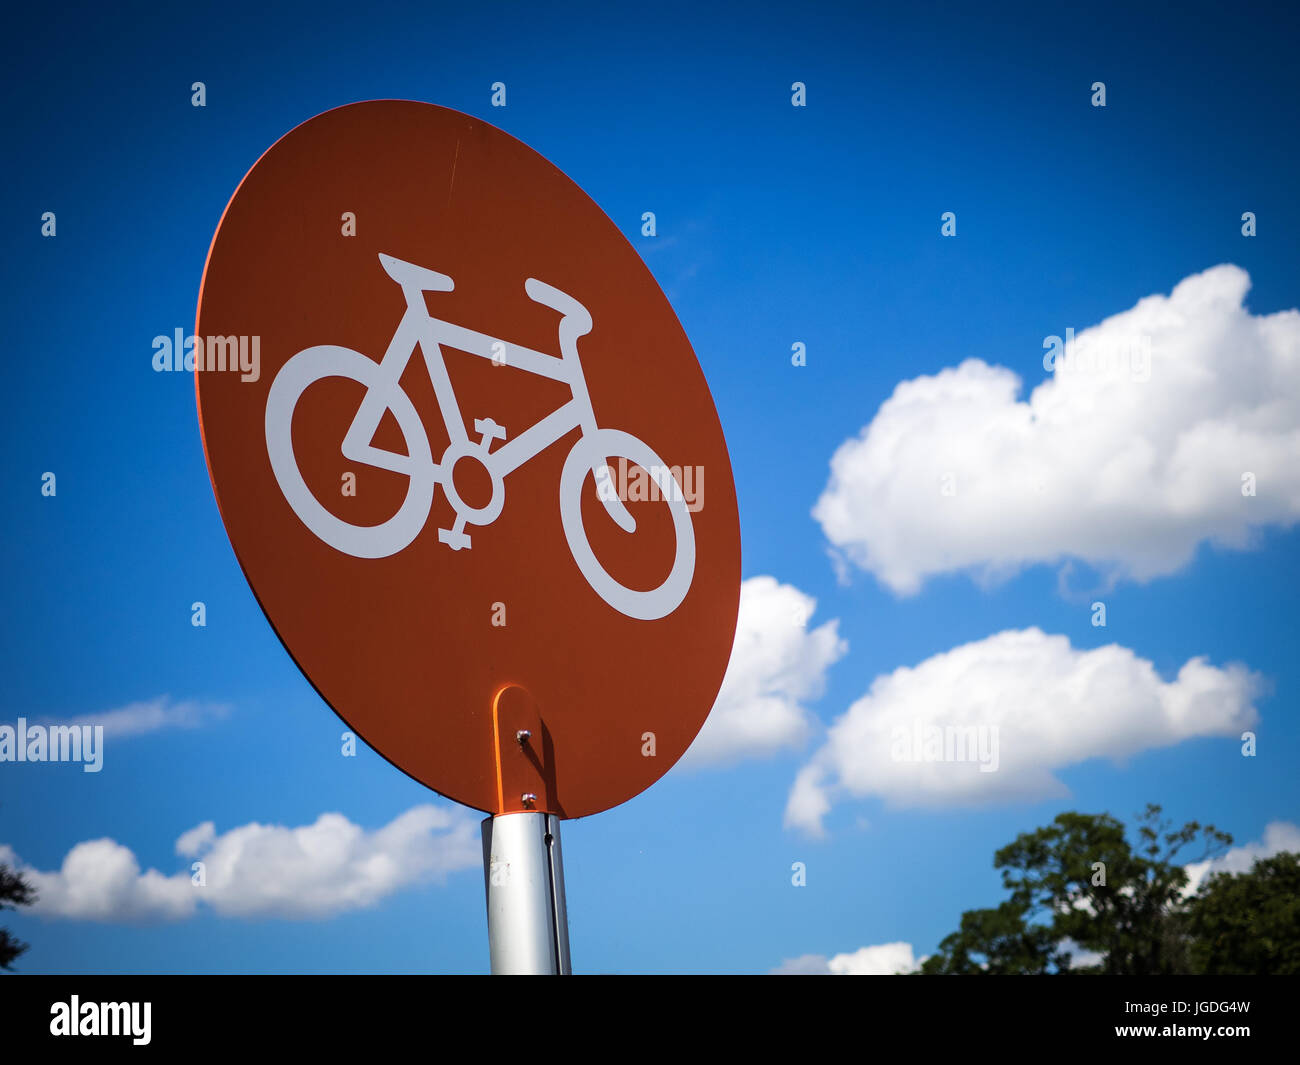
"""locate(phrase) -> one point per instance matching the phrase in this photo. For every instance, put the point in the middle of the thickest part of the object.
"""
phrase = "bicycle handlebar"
(577, 319)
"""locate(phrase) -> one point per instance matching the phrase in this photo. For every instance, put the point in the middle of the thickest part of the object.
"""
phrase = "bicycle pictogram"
(591, 453)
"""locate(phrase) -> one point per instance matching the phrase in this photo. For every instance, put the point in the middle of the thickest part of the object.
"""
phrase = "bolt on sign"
(479, 487)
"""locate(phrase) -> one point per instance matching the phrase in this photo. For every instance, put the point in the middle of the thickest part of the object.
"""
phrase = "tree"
(1249, 922)
(14, 892)
(1078, 884)
(994, 942)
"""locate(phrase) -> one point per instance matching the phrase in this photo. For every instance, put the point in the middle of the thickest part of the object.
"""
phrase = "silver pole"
(523, 877)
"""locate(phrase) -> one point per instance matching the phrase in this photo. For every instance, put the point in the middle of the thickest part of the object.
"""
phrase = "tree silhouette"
(14, 892)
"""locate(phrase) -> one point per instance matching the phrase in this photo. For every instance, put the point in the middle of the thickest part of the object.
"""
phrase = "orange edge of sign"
(496, 748)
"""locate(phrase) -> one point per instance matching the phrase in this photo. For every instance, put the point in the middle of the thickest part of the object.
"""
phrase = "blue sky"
(776, 225)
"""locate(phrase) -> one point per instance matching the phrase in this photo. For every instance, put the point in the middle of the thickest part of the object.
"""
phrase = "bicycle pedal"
(488, 429)
(453, 539)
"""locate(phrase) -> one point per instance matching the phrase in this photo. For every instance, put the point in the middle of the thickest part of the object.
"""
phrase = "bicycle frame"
(418, 327)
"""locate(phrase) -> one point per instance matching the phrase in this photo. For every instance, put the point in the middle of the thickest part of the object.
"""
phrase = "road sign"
(476, 479)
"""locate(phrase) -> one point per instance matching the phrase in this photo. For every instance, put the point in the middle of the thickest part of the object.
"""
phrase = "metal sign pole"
(523, 877)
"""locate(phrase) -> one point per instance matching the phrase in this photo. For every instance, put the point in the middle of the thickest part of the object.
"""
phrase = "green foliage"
(1078, 884)
(14, 892)
(1249, 922)
(993, 942)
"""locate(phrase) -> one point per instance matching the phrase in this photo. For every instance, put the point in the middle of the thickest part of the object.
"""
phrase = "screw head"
(523, 736)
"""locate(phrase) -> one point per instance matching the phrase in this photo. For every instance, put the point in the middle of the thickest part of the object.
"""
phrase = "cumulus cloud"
(995, 719)
(1279, 837)
(885, 959)
(777, 664)
(313, 871)
(100, 880)
(1128, 456)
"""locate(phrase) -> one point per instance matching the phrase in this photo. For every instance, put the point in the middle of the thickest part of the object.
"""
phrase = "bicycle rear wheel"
(361, 541)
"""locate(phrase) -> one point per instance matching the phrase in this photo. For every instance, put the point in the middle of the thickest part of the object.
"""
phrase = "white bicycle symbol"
(591, 453)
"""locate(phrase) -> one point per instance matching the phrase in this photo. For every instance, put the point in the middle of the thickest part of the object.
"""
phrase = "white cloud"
(885, 959)
(1022, 702)
(1080, 957)
(100, 880)
(1126, 474)
(1279, 836)
(256, 870)
(135, 719)
(197, 839)
(777, 664)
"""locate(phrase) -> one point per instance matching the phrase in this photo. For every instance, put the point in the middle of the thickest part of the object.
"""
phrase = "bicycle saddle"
(408, 275)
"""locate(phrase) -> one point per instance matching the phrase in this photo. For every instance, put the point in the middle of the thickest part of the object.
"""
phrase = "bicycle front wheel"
(589, 454)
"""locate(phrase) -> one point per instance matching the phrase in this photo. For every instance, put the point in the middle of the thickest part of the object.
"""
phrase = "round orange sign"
(467, 459)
